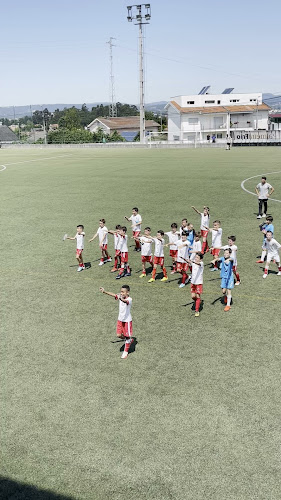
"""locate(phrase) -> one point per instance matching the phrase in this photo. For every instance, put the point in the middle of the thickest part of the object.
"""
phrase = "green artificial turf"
(194, 413)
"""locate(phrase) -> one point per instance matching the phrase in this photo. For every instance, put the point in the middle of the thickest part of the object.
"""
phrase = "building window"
(190, 102)
(234, 100)
(219, 136)
(209, 102)
(219, 102)
(176, 137)
(193, 121)
(253, 100)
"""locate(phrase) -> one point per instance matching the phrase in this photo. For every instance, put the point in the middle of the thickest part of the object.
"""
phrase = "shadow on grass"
(192, 304)
(10, 489)
(132, 346)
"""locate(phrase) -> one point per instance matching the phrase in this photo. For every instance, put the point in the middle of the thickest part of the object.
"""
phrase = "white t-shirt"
(196, 247)
(182, 252)
(101, 232)
(271, 246)
(185, 229)
(116, 241)
(197, 274)
(123, 243)
(173, 238)
(263, 190)
(159, 247)
(216, 237)
(80, 241)
(124, 310)
(146, 246)
(233, 255)
(136, 222)
(205, 221)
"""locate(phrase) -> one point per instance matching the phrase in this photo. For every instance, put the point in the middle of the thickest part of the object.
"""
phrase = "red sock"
(164, 272)
(128, 344)
(121, 270)
(266, 271)
(184, 278)
(237, 276)
(225, 299)
(81, 265)
(137, 244)
(128, 268)
(154, 273)
(279, 269)
(197, 304)
(115, 262)
(204, 244)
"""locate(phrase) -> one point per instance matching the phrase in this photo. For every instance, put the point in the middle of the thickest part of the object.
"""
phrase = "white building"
(194, 118)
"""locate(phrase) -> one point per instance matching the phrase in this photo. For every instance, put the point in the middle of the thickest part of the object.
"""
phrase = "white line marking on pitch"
(254, 177)
(29, 161)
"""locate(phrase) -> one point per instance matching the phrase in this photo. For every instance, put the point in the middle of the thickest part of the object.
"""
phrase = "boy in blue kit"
(227, 278)
(266, 226)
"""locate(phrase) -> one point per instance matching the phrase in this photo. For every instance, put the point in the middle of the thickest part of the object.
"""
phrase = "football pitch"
(194, 412)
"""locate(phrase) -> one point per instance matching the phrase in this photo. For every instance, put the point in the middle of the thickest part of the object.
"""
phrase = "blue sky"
(56, 51)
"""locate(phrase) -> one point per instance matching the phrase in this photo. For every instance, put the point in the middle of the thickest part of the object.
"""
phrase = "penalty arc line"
(4, 167)
(254, 177)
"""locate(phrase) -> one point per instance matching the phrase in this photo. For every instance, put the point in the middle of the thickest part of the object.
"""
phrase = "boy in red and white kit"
(184, 226)
(197, 280)
(124, 328)
(173, 236)
(216, 232)
(196, 246)
(234, 248)
(146, 250)
(79, 237)
(272, 247)
(117, 242)
(125, 268)
(205, 224)
(158, 256)
(182, 254)
(103, 240)
(136, 226)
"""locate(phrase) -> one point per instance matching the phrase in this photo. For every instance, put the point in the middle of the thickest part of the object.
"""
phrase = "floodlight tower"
(112, 106)
(141, 14)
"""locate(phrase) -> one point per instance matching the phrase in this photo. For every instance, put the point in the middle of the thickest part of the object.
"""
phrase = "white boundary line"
(254, 177)
(4, 167)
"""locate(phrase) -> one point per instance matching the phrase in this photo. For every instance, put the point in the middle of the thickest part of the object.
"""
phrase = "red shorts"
(215, 252)
(196, 289)
(182, 267)
(79, 252)
(124, 257)
(173, 253)
(117, 253)
(146, 258)
(104, 247)
(136, 233)
(159, 261)
(204, 233)
(124, 328)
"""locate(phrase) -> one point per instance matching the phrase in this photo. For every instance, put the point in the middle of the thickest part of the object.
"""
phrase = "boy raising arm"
(124, 327)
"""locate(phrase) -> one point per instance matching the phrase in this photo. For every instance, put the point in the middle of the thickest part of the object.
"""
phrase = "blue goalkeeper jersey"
(226, 268)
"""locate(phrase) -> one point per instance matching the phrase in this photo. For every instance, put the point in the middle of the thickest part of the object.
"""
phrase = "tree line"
(72, 122)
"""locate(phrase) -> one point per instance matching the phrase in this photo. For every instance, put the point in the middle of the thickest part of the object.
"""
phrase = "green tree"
(66, 136)
(71, 119)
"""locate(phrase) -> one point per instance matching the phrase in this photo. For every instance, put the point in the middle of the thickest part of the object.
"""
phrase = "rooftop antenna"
(112, 106)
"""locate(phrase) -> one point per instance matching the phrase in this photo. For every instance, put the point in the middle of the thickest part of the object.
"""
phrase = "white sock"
(263, 254)
(228, 300)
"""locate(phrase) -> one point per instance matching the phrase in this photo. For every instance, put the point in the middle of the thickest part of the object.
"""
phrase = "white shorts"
(272, 256)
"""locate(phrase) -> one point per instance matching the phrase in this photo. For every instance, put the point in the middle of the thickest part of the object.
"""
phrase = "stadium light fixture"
(141, 19)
